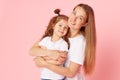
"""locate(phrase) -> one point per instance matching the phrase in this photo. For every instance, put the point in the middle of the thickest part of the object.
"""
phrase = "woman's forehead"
(80, 12)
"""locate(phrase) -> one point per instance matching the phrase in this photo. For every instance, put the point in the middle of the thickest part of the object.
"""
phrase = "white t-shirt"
(58, 45)
(76, 53)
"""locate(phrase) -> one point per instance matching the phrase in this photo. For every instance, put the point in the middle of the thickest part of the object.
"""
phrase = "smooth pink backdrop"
(22, 22)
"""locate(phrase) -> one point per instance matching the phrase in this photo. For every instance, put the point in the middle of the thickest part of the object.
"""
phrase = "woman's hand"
(58, 55)
(70, 71)
(53, 54)
(40, 62)
(62, 58)
(59, 61)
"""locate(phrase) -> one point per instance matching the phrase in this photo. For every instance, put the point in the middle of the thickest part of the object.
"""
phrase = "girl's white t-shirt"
(58, 45)
(76, 54)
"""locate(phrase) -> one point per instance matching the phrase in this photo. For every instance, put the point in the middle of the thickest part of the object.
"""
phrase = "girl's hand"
(40, 62)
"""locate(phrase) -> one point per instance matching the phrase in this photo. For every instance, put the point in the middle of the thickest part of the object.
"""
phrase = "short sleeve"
(77, 51)
(64, 46)
(43, 41)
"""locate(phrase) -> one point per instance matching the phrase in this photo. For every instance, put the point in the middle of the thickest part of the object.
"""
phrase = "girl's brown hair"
(89, 32)
(52, 23)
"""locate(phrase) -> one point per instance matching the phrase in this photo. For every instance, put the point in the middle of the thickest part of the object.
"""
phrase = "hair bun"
(57, 11)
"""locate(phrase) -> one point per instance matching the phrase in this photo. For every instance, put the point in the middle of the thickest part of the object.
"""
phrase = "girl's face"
(60, 28)
(77, 18)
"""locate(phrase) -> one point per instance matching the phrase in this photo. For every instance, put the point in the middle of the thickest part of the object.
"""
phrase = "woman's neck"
(74, 33)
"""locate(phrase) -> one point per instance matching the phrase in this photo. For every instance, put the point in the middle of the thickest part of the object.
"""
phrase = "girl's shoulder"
(46, 38)
(62, 41)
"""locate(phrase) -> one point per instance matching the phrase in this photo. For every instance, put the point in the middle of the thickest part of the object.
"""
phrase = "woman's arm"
(54, 62)
(37, 50)
(59, 61)
(70, 71)
(51, 61)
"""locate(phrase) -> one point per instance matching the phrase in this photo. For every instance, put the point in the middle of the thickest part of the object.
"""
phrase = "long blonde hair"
(89, 32)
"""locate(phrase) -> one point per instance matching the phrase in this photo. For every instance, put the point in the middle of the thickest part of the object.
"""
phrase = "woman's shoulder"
(80, 39)
(80, 36)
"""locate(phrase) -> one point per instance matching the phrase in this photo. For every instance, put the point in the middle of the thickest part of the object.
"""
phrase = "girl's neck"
(55, 38)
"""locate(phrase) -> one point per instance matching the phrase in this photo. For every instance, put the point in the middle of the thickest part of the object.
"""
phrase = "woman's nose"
(74, 19)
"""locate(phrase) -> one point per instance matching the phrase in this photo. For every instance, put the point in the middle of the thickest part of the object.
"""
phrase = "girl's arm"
(70, 71)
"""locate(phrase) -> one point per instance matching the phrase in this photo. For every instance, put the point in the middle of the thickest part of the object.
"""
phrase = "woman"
(82, 45)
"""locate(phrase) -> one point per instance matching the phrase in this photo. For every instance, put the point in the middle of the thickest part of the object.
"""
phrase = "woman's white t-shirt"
(76, 54)
(58, 45)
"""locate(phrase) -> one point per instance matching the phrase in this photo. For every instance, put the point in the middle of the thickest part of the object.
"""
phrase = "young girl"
(55, 38)
(82, 45)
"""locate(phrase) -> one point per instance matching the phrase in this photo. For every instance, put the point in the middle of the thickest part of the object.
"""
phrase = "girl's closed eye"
(65, 27)
(81, 18)
(60, 25)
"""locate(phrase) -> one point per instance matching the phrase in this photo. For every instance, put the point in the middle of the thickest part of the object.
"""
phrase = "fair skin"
(52, 56)
(60, 30)
(76, 20)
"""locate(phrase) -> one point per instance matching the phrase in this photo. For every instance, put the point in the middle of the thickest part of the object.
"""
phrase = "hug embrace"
(67, 46)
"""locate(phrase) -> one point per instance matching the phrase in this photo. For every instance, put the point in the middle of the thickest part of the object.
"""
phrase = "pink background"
(22, 22)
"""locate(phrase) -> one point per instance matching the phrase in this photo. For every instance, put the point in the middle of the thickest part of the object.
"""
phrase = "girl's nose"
(62, 28)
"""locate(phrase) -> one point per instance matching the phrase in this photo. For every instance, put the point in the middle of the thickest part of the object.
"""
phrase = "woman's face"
(77, 18)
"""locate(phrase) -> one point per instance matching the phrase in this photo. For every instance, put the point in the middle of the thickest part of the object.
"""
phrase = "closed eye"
(66, 27)
(81, 18)
(60, 25)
